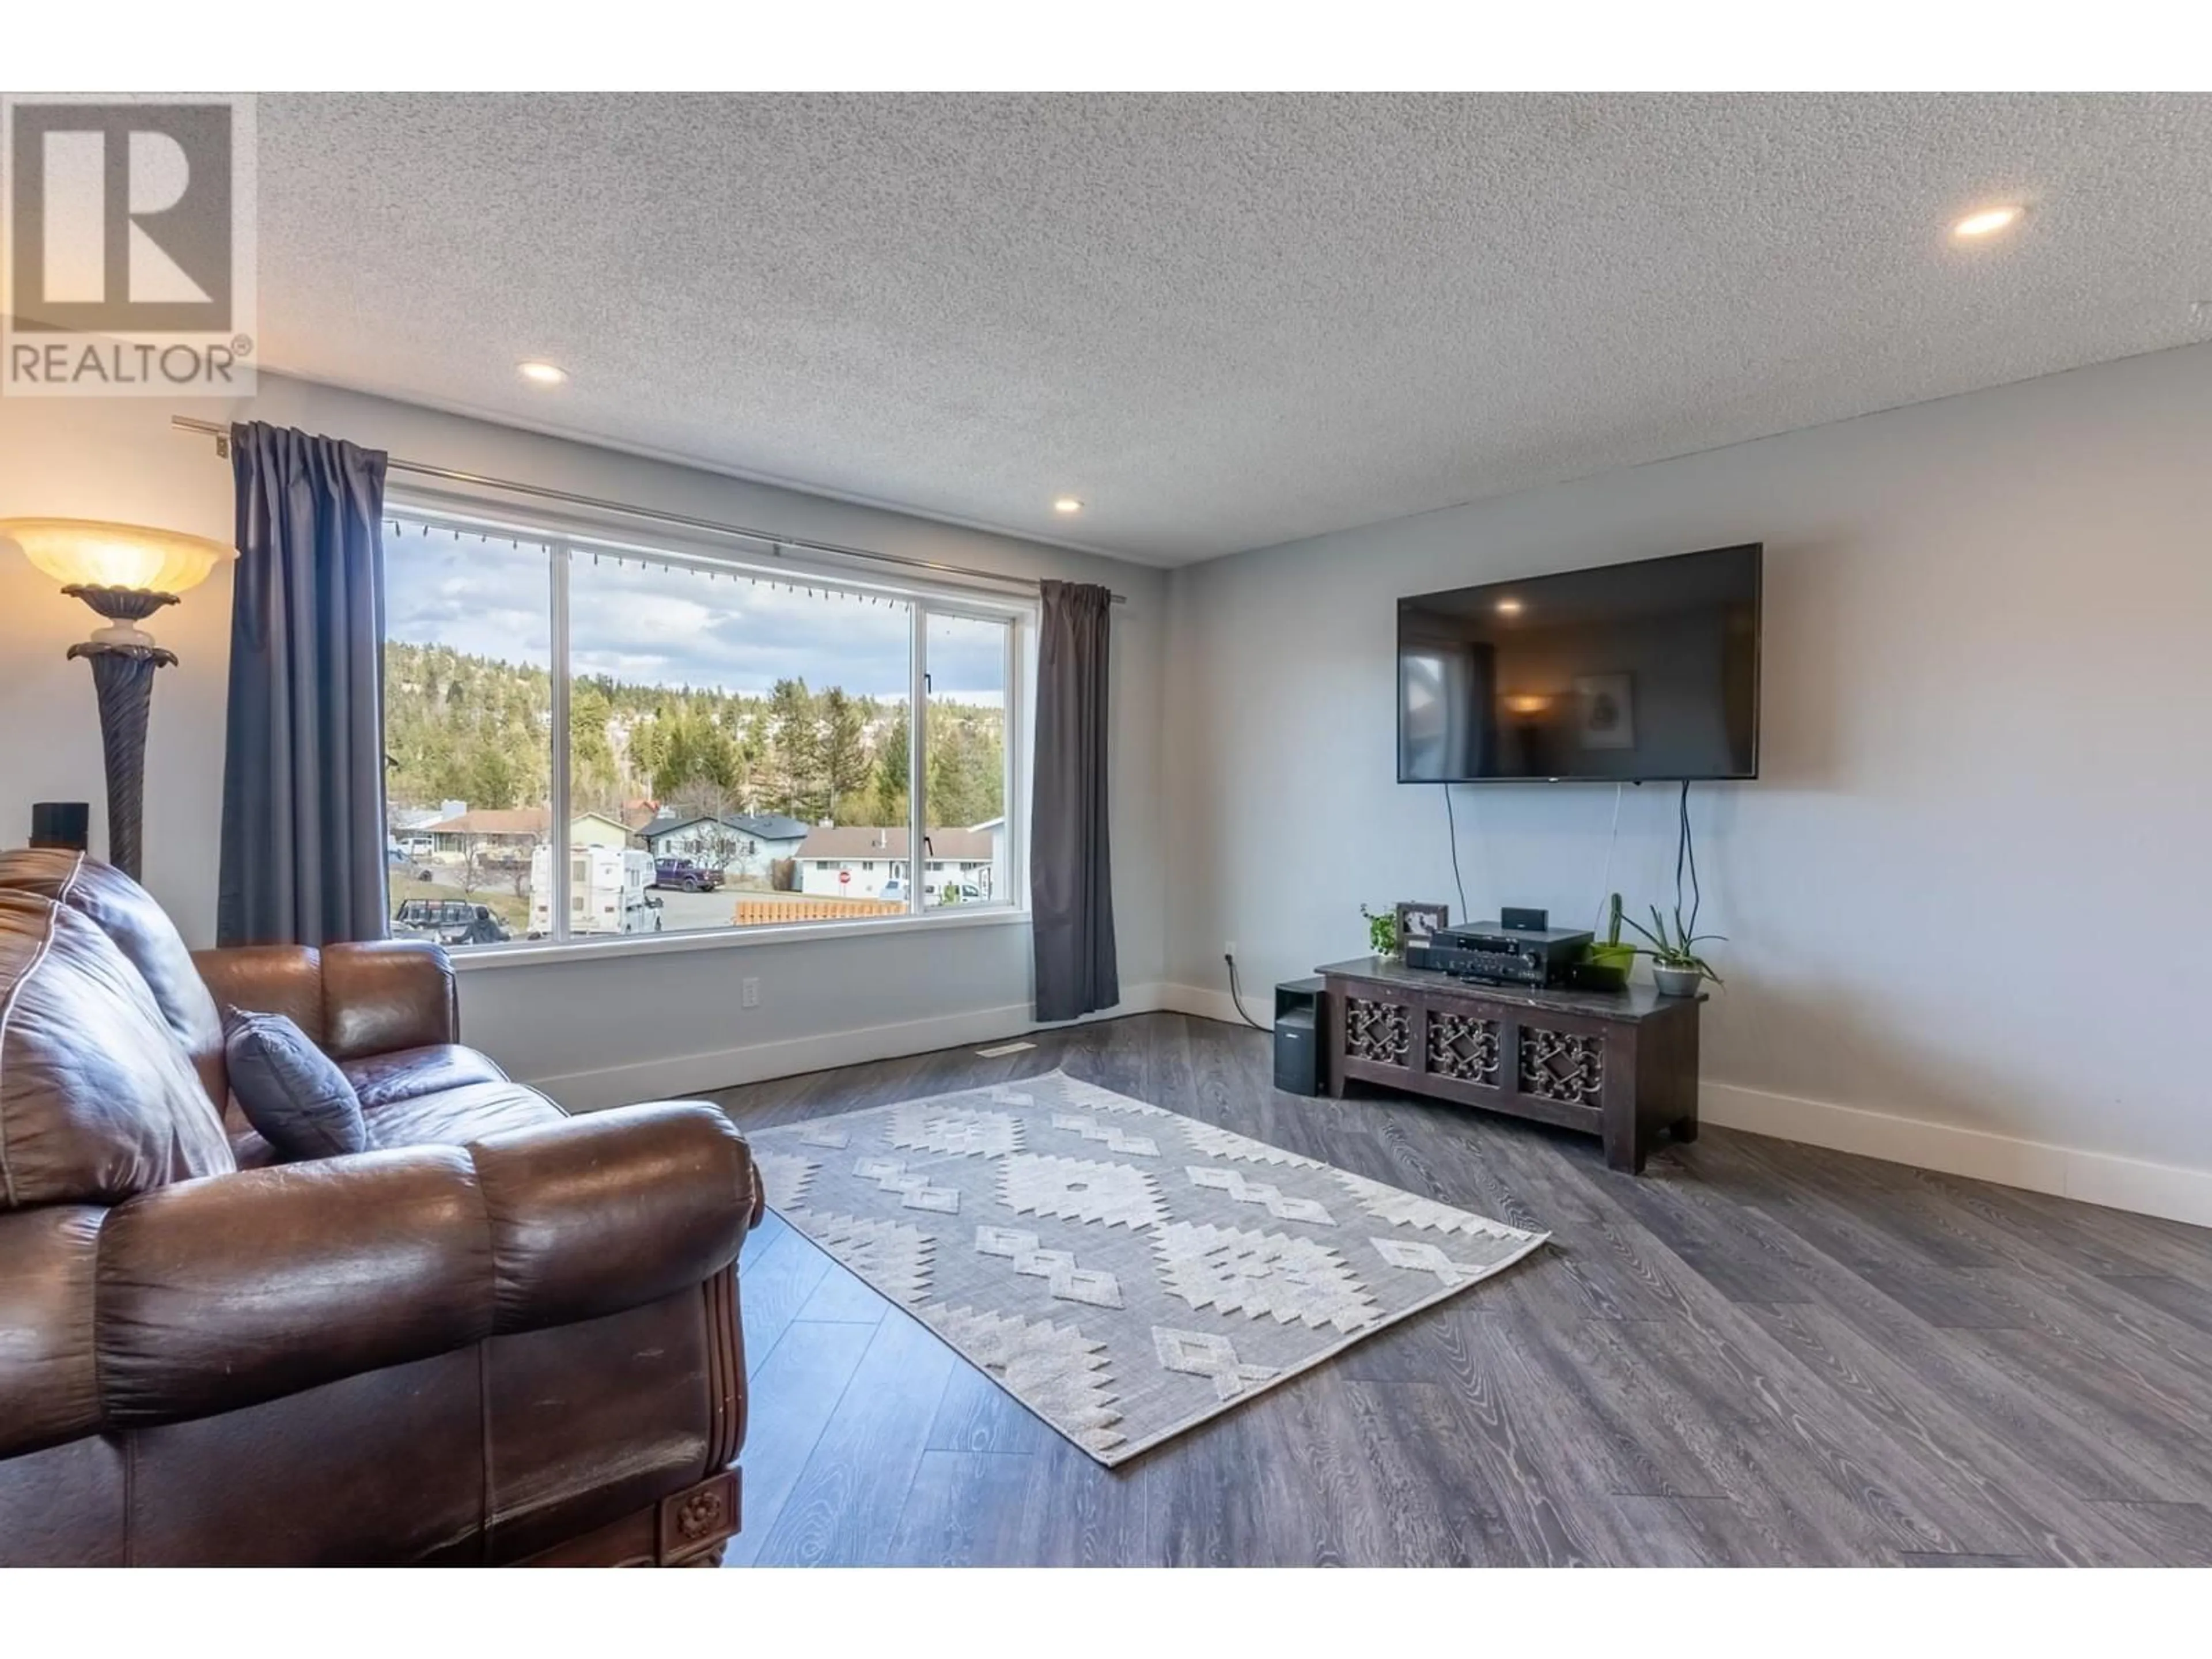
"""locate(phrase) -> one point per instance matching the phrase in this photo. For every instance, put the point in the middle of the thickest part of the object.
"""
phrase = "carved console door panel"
(1566, 1067)
(1625, 1071)
(1378, 1033)
(1463, 1048)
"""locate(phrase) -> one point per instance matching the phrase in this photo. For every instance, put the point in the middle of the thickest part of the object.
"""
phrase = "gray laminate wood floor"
(1758, 1353)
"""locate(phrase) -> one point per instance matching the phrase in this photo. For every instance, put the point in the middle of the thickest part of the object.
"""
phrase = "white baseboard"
(1215, 1004)
(2119, 1184)
(676, 1075)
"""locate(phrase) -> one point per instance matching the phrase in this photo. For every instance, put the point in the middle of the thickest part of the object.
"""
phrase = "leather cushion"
(97, 1099)
(387, 994)
(408, 1073)
(273, 979)
(142, 930)
(291, 1091)
(454, 1117)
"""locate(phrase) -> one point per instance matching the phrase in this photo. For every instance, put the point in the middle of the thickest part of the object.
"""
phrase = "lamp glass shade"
(97, 554)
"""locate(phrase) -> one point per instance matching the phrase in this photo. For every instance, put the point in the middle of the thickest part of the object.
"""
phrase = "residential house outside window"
(730, 745)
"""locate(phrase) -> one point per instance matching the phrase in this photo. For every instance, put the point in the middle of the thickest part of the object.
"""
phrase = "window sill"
(540, 952)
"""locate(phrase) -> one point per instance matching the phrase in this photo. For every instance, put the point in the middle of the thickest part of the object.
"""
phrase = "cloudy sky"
(671, 626)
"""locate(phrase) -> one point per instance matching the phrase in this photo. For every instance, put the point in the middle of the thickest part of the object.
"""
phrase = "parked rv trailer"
(606, 891)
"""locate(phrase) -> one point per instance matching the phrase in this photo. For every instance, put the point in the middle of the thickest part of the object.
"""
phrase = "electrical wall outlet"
(1229, 948)
(749, 993)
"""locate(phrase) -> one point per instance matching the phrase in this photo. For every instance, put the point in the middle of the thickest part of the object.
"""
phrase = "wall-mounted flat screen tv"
(1642, 672)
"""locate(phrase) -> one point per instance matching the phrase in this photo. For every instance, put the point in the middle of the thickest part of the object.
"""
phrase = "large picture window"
(468, 720)
(587, 741)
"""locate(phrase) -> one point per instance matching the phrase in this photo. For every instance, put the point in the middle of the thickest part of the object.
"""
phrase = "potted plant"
(1675, 964)
(1607, 965)
(1382, 933)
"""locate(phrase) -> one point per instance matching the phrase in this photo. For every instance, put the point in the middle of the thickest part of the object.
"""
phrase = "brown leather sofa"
(505, 1336)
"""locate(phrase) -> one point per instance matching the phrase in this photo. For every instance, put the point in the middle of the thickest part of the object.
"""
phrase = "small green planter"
(1606, 967)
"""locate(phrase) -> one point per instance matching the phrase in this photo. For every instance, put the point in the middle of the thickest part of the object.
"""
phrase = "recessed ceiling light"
(541, 374)
(1987, 223)
(1066, 504)
(1509, 607)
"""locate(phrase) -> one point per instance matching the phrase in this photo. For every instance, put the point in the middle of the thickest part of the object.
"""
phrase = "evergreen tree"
(492, 775)
(844, 755)
(594, 783)
(472, 728)
(893, 769)
(794, 729)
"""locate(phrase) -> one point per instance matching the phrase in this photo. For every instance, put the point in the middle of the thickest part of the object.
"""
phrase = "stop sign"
(844, 877)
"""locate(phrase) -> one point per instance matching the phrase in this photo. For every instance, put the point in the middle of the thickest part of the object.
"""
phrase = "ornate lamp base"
(124, 661)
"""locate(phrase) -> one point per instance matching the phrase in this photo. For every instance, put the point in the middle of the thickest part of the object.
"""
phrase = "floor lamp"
(125, 572)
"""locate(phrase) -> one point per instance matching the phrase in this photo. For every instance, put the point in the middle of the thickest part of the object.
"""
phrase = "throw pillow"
(290, 1091)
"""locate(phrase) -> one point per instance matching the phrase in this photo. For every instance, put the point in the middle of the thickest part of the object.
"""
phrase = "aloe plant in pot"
(1675, 964)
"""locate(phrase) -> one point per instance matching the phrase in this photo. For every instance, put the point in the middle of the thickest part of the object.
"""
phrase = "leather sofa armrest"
(612, 1209)
(227, 1292)
(48, 1390)
(385, 994)
(220, 1293)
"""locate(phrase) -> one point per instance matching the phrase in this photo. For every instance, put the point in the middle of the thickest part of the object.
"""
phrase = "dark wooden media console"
(1621, 1066)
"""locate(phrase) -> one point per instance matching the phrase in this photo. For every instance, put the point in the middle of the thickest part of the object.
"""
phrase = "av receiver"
(1502, 956)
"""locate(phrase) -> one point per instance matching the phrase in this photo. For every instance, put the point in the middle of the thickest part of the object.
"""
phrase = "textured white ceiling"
(1222, 320)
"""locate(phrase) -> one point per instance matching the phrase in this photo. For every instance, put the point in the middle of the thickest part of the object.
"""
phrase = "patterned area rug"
(1123, 1271)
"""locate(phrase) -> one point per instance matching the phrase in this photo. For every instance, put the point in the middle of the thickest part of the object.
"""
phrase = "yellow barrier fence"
(767, 913)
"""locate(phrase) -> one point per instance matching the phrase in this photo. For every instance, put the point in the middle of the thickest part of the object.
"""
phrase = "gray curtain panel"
(303, 769)
(1070, 868)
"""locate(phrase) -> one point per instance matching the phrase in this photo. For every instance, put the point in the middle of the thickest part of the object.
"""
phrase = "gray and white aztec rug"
(1124, 1271)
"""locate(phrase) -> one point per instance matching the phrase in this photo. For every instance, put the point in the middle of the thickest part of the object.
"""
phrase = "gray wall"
(663, 1022)
(1970, 889)
(1967, 900)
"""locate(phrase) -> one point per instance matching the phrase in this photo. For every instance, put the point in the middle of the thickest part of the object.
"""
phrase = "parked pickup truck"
(449, 921)
(686, 876)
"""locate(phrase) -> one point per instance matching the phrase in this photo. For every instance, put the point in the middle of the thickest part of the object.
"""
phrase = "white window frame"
(563, 542)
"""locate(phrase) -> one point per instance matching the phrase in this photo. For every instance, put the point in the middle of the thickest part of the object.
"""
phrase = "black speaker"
(66, 824)
(1297, 1036)
(1298, 1054)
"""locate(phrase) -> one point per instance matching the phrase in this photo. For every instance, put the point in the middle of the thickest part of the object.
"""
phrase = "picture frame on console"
(1418, 923)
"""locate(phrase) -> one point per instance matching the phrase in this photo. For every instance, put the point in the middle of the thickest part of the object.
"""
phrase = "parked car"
(686, 876)
(449, 921)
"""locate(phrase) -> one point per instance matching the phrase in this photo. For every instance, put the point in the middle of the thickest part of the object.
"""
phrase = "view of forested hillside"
(465, 727)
